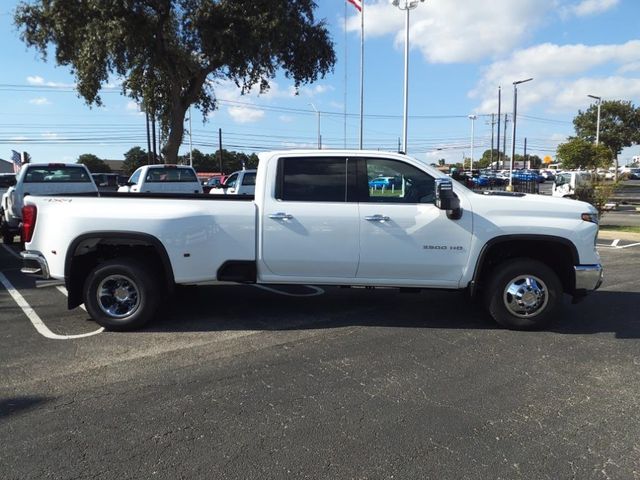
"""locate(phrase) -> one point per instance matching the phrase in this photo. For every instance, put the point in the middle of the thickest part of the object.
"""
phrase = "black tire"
(520, 304)
(131, 294)
(7, 235)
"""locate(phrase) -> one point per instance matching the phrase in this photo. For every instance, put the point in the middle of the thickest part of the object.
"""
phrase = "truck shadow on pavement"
(204, 309)
(15, 405)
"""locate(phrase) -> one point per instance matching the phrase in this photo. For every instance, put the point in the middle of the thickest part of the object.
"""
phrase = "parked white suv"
(163, 179)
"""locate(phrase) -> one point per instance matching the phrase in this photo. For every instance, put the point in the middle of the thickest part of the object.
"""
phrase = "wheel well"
(89, 251)
(558, 256)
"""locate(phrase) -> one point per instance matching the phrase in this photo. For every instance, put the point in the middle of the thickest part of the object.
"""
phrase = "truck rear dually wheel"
(121, 294)
(522, 294)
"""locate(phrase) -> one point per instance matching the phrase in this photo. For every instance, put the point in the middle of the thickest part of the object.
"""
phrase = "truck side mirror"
(446, 199)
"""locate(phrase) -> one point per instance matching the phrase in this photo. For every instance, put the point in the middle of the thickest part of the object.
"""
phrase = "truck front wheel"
(121, 294)
(523, 294)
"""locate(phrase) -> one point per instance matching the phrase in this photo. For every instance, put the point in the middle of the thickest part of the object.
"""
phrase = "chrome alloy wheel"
(525, 296)
(118, 296)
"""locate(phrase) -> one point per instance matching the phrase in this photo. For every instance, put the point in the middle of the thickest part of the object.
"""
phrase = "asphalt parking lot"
(244, 382)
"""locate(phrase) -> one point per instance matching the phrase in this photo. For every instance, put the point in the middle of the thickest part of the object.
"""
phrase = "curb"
(615, 235)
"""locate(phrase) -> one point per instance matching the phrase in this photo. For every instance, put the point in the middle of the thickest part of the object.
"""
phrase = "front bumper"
(588, 278)
(34, 263)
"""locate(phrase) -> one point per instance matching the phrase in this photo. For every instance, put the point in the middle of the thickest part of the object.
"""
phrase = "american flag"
(16, 158)
(356, 3)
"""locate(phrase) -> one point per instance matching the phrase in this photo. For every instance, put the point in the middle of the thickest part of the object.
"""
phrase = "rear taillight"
(29, 214)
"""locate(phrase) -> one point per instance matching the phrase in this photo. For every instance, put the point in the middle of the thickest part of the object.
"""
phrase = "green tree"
(485, 160)
(134, 159)
(581, 153)
(166, 50)
(93, 163)
(619, 125)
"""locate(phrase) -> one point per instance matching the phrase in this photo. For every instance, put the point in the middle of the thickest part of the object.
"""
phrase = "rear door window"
(316, 179)
(249, 179)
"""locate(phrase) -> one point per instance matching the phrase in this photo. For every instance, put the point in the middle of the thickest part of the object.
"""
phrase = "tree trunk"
(176, 131)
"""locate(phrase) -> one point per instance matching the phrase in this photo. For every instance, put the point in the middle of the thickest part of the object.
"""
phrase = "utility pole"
(493, 123)
(190, 141)
(499, 100)
(504, 141)
(526, 165)
(146, 116)
(153, 136)
(220, 148)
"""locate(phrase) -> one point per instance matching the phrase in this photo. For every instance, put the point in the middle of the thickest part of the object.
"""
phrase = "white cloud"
(19, 139)
(590, 7)
(286, 118)
(39, 81)
(132, 106)
(630, 67)
(460, 31)
(49, 135)
(35, 80)
(246, 114)
(563, 76)
(39, 101)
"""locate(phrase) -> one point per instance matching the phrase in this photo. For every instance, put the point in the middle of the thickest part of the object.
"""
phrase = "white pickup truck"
(315, 220)
(163, 179)
(242, 182)
(40, 179)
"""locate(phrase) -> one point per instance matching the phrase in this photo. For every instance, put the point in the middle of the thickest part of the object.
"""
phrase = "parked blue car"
(380, 182)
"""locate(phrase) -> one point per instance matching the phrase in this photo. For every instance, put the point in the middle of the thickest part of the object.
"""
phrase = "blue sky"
(461, 51)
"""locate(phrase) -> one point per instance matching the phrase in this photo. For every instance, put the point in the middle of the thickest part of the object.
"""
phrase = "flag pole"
(361, 72)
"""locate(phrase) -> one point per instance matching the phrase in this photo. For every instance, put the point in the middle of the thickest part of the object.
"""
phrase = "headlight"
(591, 217)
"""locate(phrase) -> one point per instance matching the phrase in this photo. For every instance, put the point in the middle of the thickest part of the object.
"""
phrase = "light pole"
(473, 121)
(319, 137)
(406, 5)
(599, 100)
(513, 131)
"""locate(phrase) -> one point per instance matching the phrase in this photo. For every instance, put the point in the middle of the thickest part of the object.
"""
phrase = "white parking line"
(37, 322)
(615, 242)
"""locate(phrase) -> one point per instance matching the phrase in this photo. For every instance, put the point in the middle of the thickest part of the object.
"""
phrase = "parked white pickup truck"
(315, 220)
(163, 179)
(242, 182)
(40, 179)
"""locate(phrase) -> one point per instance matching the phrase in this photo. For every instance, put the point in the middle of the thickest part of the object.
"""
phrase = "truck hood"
(507, 203)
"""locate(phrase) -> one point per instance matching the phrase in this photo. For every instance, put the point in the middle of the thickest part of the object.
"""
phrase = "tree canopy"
(619, 124)
(93, 163)
(582, 153)
(231, 161)
(169, 53)
(134, 158)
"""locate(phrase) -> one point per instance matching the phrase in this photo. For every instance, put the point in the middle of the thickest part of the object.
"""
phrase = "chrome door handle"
(377, 218)
(281, 216)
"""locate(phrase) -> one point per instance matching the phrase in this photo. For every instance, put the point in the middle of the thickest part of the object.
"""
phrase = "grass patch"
(620, 228)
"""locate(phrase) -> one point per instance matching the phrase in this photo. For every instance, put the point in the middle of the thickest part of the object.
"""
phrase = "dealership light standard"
(319, 136)
(599, 100)
(406, 5)
(513, 131)
(473, 121)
